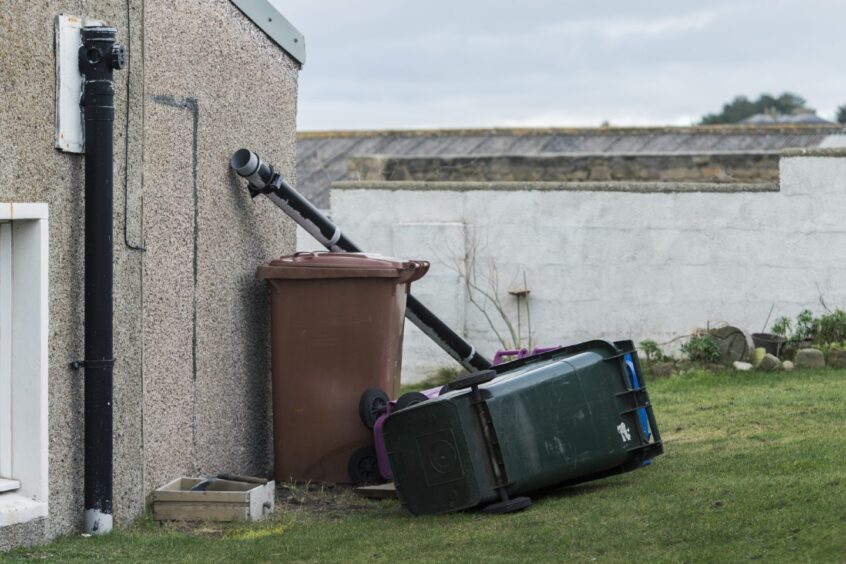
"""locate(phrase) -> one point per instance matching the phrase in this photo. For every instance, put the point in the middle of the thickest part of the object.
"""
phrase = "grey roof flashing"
(270, 20)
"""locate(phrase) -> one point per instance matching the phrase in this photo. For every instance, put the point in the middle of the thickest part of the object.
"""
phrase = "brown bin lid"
(340, 265)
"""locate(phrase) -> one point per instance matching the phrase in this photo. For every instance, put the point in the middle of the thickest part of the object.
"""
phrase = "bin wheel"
(363, 466)
(373, 403)
(472, 380)
(508, 506)
(409, 399)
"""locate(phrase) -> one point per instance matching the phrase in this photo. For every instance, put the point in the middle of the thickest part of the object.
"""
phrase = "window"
(23, 362)
(7, 483)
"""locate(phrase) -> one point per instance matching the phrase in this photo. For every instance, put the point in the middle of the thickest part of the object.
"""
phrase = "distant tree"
(742, 107)
(841, 114)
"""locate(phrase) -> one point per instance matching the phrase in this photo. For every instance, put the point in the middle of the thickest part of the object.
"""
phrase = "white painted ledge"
(9, 212)
(15, 508)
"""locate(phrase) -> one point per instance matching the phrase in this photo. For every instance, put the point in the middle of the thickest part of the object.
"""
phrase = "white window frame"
(23, 362)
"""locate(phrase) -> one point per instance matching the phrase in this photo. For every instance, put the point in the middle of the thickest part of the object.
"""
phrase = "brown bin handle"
(418, 269)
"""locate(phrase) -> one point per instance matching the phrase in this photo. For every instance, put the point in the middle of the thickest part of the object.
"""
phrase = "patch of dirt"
(329, 501)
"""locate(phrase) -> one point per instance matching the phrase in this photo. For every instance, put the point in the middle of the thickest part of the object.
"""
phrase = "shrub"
(652, 351)
(831, 327)
(702, 348)
(823, 330)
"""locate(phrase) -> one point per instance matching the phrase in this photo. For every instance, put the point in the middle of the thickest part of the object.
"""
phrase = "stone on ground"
(809, 358)
(787, 365)
(742, 366)
(770, 363)
(836, 358)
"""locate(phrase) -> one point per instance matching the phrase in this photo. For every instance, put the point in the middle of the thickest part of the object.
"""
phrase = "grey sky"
(471, 63)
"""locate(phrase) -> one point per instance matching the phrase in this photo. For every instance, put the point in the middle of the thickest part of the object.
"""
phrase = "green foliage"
(827, 329)
(782, 326)
(841, 114)
(702, 348)
(742, 107)
(831, 327)
(652, 351)
(828, 347)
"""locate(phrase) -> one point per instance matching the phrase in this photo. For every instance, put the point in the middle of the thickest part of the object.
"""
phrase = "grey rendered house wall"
(191, 379)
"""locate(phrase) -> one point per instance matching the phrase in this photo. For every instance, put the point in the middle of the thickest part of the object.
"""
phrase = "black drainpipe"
(99, 55)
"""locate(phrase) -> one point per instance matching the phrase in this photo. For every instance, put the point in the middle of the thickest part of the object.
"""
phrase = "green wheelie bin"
(566, 416)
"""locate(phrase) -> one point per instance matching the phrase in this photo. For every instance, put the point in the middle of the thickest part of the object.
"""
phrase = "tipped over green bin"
(570, 415)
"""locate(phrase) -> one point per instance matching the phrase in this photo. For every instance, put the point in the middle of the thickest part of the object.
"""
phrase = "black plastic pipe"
(264, 180)
(98, 57)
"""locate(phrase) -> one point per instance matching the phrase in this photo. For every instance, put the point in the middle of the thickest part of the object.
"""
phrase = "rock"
(787, 365)
(836, 358)
(734, 344)
(661, 369)
(742, 366)
(809, 358)
(770, 363)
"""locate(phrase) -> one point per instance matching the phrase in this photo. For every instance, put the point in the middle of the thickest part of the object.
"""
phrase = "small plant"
(702, 348)
(782, 326)
(807, 327)
(652, 351)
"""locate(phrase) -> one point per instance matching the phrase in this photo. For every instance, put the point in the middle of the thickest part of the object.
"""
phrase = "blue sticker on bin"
(644, 420)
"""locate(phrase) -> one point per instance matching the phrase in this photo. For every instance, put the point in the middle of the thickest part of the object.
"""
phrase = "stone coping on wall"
(816, 152)
(732, 129)
(611, 186)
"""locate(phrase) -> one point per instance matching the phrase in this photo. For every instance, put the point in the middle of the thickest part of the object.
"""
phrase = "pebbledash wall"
(191, 379)
(616, 259)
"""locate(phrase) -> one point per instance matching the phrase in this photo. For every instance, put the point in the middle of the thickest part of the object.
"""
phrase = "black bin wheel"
(409, 399)
(363, 466)
(473, 379)
(508, 506)
(373, 403)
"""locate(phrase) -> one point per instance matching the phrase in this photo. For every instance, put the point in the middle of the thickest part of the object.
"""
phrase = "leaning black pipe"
(98, 57)
(263, 180)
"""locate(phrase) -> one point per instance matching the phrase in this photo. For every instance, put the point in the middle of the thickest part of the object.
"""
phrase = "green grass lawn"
(753, 470)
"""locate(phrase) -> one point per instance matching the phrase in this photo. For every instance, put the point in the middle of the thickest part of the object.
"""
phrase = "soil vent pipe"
(99, 56)
(264, 180)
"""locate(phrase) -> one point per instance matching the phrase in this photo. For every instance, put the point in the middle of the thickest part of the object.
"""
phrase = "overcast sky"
(375, 64)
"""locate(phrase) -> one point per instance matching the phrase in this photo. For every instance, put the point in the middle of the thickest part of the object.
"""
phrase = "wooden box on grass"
(224, 500)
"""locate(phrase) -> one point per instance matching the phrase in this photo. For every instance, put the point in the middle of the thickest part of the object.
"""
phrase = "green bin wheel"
(509, 506)
(363, 466)
(409, 399)
(472, 380)
(373, 403)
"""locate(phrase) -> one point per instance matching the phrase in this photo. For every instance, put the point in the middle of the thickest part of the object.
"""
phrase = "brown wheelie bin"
(336, 328)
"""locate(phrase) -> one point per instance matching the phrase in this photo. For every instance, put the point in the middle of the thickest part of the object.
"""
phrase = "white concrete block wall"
(617, 264)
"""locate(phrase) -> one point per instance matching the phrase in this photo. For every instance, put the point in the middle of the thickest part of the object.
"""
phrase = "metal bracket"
(70, 136)
(77, 364)
(271, 187)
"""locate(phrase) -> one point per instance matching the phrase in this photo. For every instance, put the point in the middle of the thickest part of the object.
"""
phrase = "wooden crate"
(224, 500)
